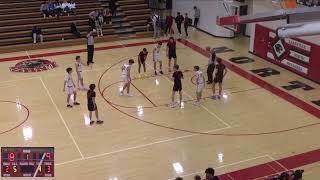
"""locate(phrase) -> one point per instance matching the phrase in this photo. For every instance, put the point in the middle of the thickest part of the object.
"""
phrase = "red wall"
(294, 54)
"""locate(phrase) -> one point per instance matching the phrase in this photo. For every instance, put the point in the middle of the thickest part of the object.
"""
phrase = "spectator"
(92, 23)
(99, 25)
(90, 46)
(100, 17)
(156, 25)
(65, 6)
(197, 177)
(57, 8)
(149, 24)
(169, 22)
(179, 19)
(44, 9)
(196, 16)
(187, 23)
(72, 7)
(113, 7)
(210, 174)
(51, 8)
(107, 16)
(74, 30)
(37, 35)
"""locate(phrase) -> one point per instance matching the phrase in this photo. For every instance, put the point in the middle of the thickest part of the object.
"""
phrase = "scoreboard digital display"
(27, 162)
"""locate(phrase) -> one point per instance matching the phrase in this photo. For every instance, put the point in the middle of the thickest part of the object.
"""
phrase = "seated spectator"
(51, 8)
(92, 23)
(197, 177)
(99, 27)
(94, 14)
(72, 7)
(210, 174)
(149, 24)
(107, 16)
(100, 17)
(65, 6)
(113, 7)
(44, 9)
(57, 8)
(37, 35)
(74, 30)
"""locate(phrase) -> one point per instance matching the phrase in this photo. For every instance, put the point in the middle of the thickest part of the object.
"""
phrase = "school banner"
(294, 54)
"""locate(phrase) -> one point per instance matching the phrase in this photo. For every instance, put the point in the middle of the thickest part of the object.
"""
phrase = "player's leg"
(180, 98)
(139, 66)
(68, 100)
(214, 88)
(144, 67)
(160, 62)
(97, 115)
(75, 98)
(90, 117)
(172, 104)
(169, 64)
(155, 67)
(220, 88)
(175, 61)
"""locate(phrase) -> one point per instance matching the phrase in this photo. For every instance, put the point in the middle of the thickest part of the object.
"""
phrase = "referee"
(90, 46)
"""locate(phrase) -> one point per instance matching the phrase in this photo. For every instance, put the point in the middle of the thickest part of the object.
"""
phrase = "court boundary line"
(223, 166)
(61, 117)
(138, 147)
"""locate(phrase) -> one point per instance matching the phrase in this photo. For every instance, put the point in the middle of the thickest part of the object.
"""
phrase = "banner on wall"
(294, 54)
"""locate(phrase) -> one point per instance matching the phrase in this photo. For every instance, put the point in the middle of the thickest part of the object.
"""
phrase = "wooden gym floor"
(258, 129)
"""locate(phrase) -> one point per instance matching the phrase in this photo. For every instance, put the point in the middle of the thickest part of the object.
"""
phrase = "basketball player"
(177, 85)
(92, 106)
(220, 74)
(171, 52)
(126, 77)
(68, 82)
(78, 66)
(157, 58)
(142, 60)
(199, 83)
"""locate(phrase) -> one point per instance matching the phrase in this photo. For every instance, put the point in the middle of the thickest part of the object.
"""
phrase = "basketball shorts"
(218, 79)
(172, 55)
(157, 59)
(125, 79)
(200, 88)
(80, 76)
(92, 107)
(177, 87)
(70, 90)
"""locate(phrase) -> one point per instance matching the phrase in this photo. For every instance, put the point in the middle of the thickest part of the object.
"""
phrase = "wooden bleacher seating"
(18, 17)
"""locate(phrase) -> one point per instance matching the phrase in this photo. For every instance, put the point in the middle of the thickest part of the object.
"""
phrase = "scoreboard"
(27, 161)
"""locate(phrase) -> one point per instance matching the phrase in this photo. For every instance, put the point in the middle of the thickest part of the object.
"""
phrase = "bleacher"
(19, 16)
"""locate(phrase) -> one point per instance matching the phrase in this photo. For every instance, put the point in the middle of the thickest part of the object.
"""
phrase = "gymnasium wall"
(209, 9)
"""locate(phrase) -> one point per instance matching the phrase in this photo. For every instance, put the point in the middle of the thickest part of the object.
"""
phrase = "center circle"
(16, 115)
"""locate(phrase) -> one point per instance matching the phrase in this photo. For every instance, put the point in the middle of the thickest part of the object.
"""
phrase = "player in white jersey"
(78, 66)
(69, 84)
(157, 58)
(126, 78)
(200, 82)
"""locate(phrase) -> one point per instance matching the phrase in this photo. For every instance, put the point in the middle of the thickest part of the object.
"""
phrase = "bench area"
(18, 17)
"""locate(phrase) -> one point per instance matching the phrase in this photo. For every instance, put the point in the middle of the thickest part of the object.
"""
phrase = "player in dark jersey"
(221, 71)
(142, 60)
(171, 52)
(92, 106)
(177, 86)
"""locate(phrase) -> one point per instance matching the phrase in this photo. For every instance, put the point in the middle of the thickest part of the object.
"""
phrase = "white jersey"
(156, 54)
(125, 70)
(79, 67)
(199, 77)
(68, 79)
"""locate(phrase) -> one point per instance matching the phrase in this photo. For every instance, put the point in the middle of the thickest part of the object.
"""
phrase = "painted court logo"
(33, 65)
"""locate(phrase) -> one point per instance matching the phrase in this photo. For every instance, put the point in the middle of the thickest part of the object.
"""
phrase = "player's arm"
(167, 50)
(154, 51)
(73, 82)
(76, 67)
(203, 80)
(64, 85)
(129, 76)
(225, 72)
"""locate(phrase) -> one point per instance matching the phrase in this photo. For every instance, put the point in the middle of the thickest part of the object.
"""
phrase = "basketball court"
(258, 126)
